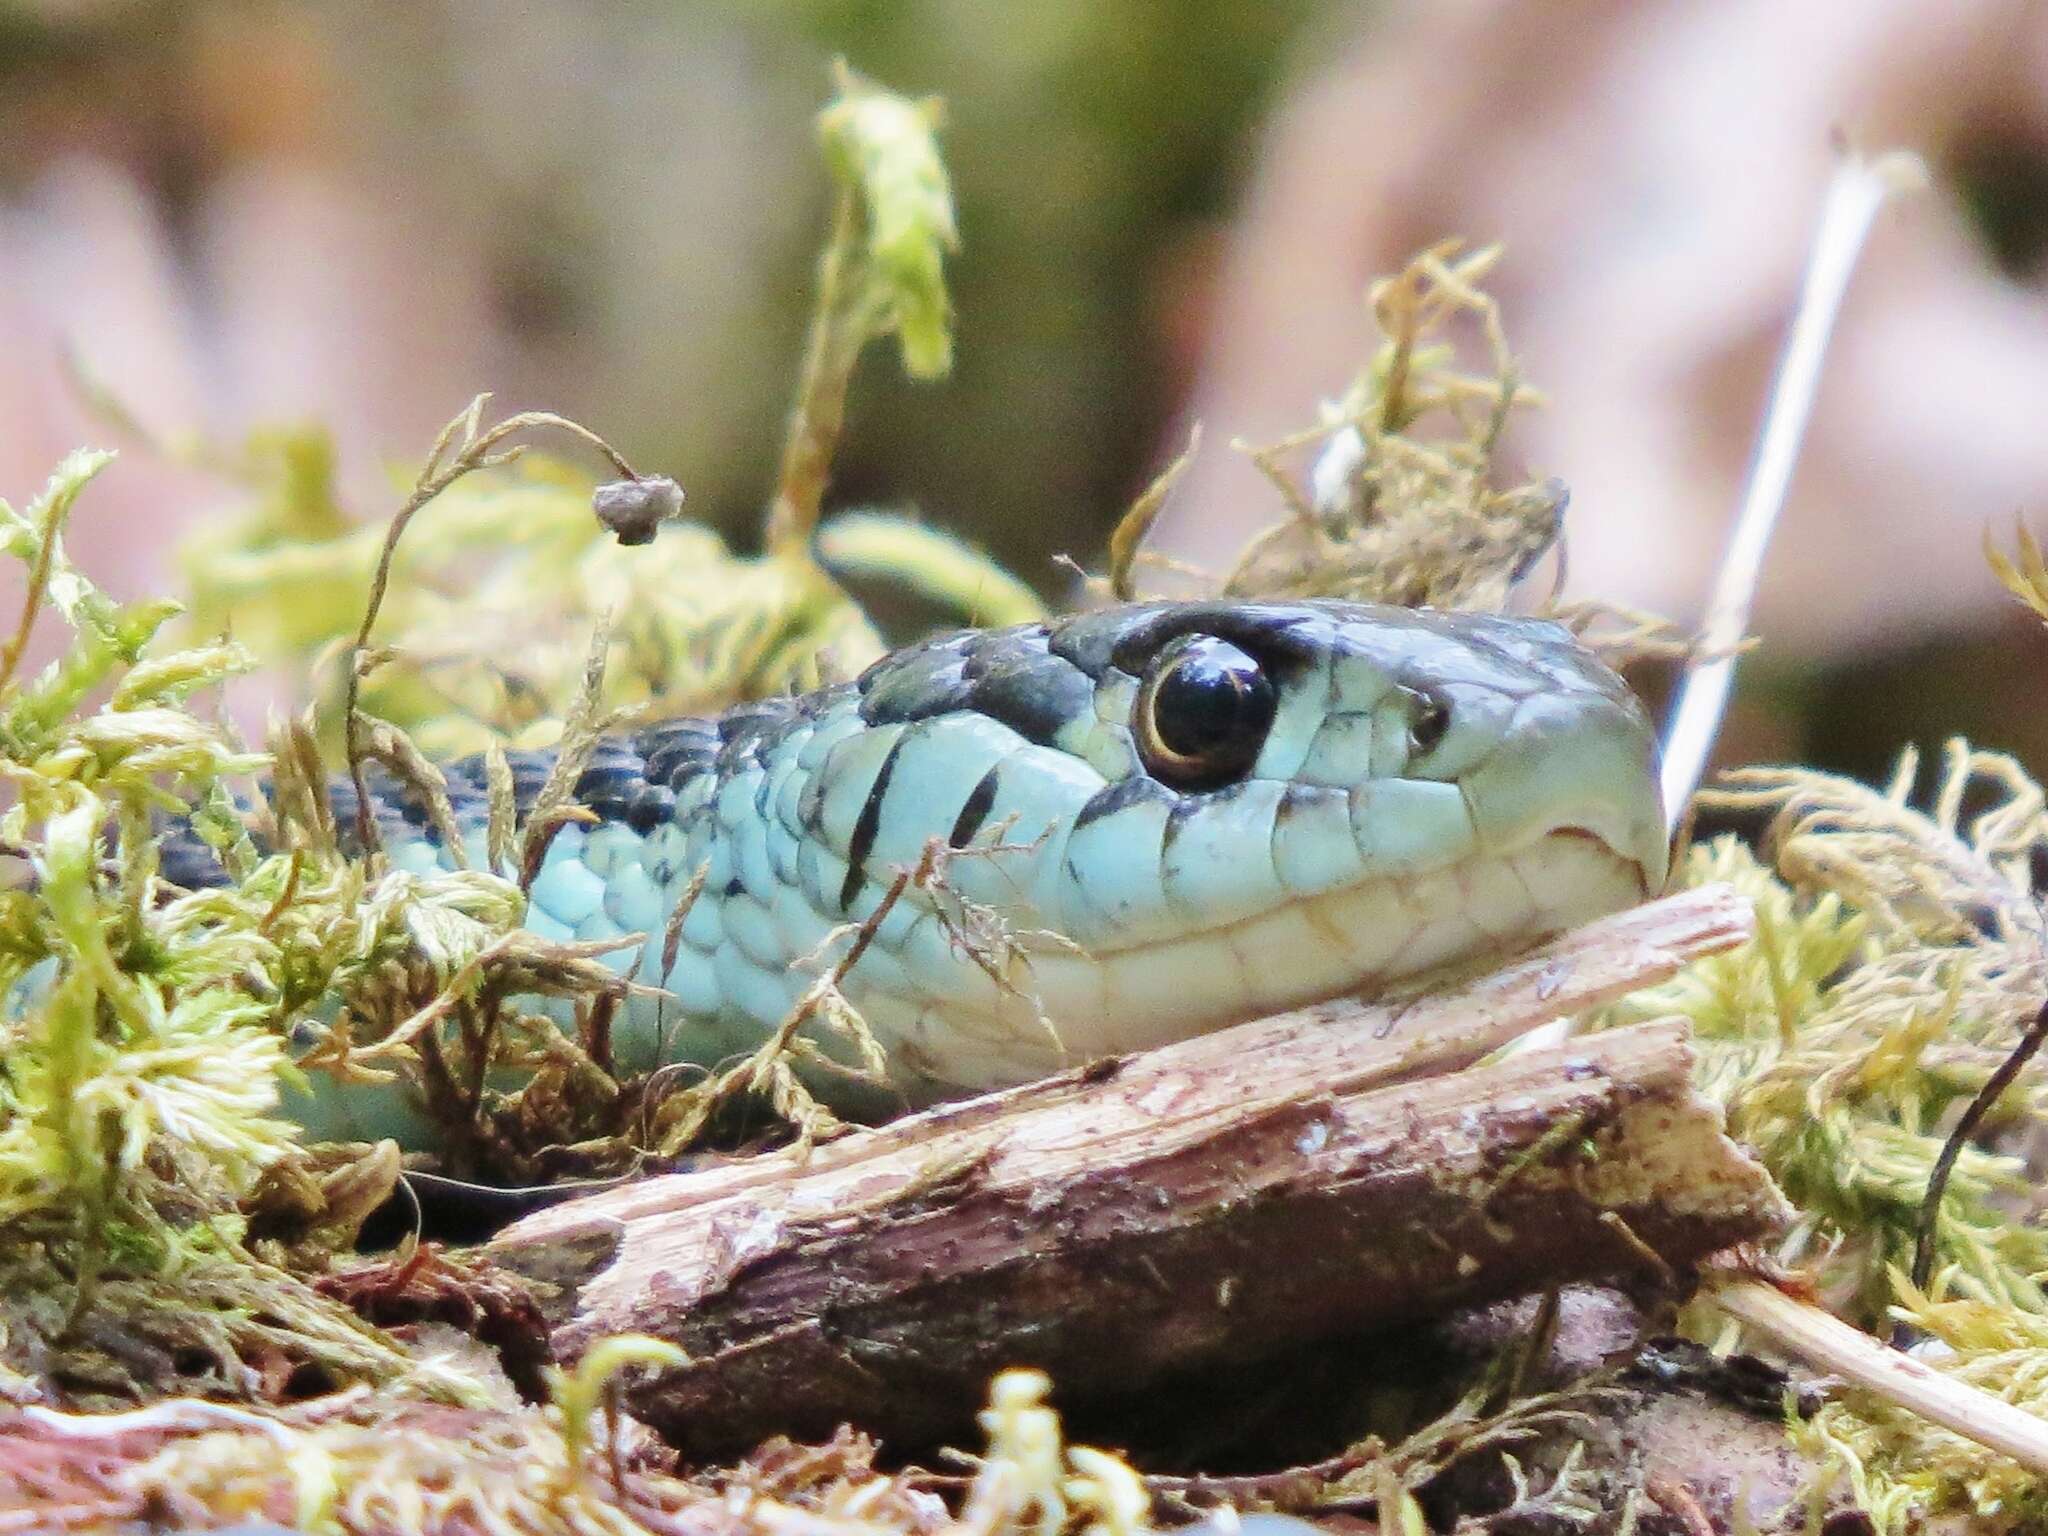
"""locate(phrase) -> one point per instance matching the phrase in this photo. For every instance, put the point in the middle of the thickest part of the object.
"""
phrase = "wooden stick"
(1209, 1202)
(1333, 1046)
(1827, 1343)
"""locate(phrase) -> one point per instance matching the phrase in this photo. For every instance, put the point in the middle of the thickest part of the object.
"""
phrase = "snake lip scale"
(1192, 814)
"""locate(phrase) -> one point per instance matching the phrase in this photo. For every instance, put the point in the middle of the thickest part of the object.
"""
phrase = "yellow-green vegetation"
(147, 1033)
(1898, 957)
(1895, 964)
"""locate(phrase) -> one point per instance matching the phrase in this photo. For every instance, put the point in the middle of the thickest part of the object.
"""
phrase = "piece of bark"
(1211, 1201)
(1345, 1044)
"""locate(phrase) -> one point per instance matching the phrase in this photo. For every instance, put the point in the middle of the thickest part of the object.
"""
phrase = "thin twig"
(1136, 524)
(38, 580)
(1980, 1106)
(1859, 188)
(31, 605)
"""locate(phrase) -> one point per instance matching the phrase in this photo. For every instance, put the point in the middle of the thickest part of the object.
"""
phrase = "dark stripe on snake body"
(868, 824)
(980, 801)
(1187, 807)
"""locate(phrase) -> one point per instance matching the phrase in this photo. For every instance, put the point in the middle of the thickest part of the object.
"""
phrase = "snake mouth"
(1649, 877)
(1356, 940)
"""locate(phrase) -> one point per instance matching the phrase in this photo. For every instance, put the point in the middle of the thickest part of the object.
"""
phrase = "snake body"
(1186, 815)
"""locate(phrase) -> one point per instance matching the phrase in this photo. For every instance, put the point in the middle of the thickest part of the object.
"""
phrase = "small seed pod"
(634, 510)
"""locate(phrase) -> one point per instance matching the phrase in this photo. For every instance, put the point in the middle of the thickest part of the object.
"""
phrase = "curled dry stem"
(1132, 528)
(480, 448)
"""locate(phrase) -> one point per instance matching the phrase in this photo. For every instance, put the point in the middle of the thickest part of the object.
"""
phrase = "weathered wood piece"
(1211, 1201)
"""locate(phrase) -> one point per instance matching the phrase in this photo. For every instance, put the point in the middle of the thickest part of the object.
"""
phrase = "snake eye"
(1428, 720)
(1203, 713)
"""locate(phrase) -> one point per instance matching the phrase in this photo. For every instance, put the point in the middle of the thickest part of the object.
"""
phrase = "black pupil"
(1212, 707)
(1432, 718)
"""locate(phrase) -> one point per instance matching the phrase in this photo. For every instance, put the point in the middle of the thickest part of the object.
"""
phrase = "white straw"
(1859, 188)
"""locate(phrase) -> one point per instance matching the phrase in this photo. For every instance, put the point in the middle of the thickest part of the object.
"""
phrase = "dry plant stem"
(825, 986)
(1135, 525)
(1859, 188)
(555, 806)
(1829, 1344)
(479, 450)
(1116, 1224)
(1965, 1128)
(819, 412)
(756, 1072)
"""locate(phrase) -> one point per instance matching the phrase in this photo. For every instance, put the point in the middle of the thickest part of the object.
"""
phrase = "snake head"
(1210, 811)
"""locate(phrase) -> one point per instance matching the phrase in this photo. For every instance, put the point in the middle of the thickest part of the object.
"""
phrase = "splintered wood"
(1210, 1202)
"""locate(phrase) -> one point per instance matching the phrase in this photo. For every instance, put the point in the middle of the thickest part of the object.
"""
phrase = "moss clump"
(1403, 498)
(145, 1034)
(1898, 955)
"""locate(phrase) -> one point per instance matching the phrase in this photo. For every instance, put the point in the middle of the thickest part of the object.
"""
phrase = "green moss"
(1898, 954)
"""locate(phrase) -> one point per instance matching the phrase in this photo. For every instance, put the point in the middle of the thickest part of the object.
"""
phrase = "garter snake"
(1192, 814)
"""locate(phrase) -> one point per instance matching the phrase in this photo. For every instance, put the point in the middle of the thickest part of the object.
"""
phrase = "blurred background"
(245, 212)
